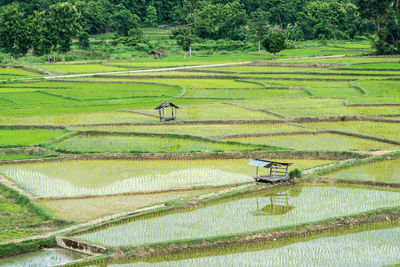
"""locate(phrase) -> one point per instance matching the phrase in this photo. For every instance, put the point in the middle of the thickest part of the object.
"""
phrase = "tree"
(40, 34)
(258, 25)
(14, 32)
(84, 42)
(123, 21)
(64, 25)
(183, 37)
(274, 42)
(151, 18)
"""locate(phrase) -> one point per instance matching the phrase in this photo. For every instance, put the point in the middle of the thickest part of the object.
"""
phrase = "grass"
(15, 73)
(16, 137)
(381, 171)
(99, 177)
(210, 130)
(86, 209)
(147, 144)
(379, 129)
(321, 142)
(248, 214)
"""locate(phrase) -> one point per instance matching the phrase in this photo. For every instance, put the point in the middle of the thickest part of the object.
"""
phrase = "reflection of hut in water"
(278, 203)
(278, 171)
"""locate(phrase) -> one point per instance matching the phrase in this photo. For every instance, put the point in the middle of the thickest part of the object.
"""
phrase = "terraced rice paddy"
(304, 204)
(16, 73)
(15, 137)
(379, 129)
(387, 171)
(205, 112)
(145, 144)
(209, 130)
(370, 248)
(73, 178)
(323, 141)
(44, 257)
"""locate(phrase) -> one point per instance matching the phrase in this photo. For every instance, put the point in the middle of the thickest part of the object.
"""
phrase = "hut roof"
(266, 164)
(155, 52)
(165, 105)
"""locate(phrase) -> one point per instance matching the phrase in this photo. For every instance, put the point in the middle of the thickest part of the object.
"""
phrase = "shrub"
(296, 173)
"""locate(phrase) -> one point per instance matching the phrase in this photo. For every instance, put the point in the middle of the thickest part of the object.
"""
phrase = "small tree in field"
(183, 38)
(274, 42)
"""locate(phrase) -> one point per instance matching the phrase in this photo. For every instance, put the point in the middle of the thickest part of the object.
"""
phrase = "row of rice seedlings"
(338, 111)
(44, 257)
(379, 129)
(244, 93)
(381, 171)
(92, 177)
(71, 178)
(324, 141)
(370, 248)
(84, 118)
(148, 144)
(209, 130)
(299, 205)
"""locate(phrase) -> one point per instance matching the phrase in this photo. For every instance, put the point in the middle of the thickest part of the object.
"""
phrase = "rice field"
(369, 248)
(148, 144)
(387, 171)
(99, 177)
(209, 130)
(16, 137)
(378, 129)
(248, 214)
(16, 73)
(321, 142)
(84, 118)
(219, 111)
(43, 257)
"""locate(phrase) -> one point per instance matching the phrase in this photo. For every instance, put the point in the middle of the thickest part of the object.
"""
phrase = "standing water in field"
(267, 210)
(373, 248)
(382, 171)
(45, 257)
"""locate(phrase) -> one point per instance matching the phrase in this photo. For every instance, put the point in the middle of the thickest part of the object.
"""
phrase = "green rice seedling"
(245, 93)
(290, 102)
(44, 257)
(324, 141)
(208, 130)
(17, 137)
(382, 171)
(339, 111)
(369, 248)
(15, 73)
(99, 177)
(380, 88)
(379, 129)
(300, 205)
(148, 144)
(81, 68)
(84, 118)
(206, 83)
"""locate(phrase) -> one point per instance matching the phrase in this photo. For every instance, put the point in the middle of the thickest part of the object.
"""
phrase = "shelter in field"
(161, 110)
(278, 171)
(158, 54)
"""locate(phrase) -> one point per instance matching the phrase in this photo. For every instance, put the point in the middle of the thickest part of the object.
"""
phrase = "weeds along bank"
(93, 156)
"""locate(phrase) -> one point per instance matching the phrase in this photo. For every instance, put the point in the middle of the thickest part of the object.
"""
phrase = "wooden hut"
(158, 54)
(161, 110)
(278, 171)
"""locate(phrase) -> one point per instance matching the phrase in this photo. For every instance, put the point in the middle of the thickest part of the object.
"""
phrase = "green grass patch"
(28, 137)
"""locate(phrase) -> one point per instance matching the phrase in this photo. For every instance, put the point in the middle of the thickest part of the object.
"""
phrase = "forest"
(43, 26)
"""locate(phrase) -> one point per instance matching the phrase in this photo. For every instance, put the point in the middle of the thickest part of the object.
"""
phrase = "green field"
(379, 129)
(303, 205)
(322, 142)
(72, 178)
(14, 137)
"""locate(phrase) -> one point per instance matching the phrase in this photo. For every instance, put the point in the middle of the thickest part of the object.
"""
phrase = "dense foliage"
(239, 20)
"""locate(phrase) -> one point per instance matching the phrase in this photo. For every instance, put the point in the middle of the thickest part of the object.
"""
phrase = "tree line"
(49, 24)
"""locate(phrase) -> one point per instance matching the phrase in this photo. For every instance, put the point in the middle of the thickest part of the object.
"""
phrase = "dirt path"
(376, 153)
(12, 185)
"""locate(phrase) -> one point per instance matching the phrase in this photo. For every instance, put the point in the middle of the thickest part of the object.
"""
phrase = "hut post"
(257, 171)
(287, 167)
(159, 112)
